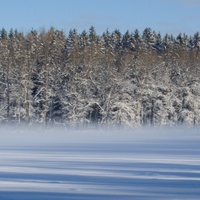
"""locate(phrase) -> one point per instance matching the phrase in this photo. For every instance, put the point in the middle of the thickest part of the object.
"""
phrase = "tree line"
(49, 77)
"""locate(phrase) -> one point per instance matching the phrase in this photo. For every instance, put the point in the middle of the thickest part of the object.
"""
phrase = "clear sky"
(166, 16)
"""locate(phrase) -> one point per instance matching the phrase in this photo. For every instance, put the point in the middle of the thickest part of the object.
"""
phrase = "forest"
(132, 79)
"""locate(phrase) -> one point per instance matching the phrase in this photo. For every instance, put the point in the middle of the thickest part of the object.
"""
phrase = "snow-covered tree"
(51, 78)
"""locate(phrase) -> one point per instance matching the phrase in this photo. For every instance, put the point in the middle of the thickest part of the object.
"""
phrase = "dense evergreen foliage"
(133, 79)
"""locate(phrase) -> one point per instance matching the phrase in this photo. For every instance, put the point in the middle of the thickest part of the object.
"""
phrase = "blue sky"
(166, 16)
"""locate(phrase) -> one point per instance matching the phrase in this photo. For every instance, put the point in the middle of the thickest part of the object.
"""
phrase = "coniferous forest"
(50, 77)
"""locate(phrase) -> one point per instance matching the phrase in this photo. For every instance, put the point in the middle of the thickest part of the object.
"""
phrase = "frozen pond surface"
(96, 165)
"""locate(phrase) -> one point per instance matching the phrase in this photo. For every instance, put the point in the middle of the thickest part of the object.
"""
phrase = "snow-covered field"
(96, 164)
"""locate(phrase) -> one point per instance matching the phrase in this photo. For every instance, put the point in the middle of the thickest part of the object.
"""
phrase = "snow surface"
(100, 164)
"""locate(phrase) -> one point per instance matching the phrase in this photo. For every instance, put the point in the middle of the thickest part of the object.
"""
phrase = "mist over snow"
(39, 135)
(118, 163)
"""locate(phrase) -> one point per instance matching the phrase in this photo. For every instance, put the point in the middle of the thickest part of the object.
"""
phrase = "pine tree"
(148, 37)
(196, 40)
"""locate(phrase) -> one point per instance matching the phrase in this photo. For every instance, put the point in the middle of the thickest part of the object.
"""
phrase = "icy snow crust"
(100, 164)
